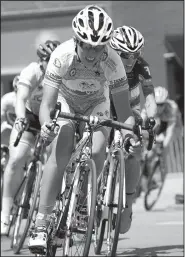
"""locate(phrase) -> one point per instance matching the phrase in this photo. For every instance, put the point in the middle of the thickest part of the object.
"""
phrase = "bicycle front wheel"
(113, 201)
(29, 197)
(155, 185)
(80, 218)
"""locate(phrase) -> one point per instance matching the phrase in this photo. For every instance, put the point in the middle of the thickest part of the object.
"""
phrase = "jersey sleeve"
(29, 76)
(56, 67)
(145, 78)
(118, 84)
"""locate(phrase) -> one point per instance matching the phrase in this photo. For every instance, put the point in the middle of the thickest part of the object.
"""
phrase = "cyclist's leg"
(61, 149)
(100, 136)
(14, 171)
(132, 175)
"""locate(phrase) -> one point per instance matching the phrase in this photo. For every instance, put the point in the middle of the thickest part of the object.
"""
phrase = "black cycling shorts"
(33, 121)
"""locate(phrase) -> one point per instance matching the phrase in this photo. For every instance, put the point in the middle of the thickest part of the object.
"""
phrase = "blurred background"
(26, 24)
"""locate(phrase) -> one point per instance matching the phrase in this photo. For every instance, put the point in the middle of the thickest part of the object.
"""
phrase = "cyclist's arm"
(51, 84)
(169, 133)
(148, 91)
(23, 92)
(49, 99)
(27, 81)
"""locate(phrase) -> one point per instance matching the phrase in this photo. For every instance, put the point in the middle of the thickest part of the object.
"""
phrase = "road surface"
(155, 233)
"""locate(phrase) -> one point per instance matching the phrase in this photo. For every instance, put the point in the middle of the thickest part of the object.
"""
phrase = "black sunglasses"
(129, 55)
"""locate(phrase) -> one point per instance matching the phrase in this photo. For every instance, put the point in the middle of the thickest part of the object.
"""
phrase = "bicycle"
(111, 196)
(26, 205)
(156, 177)
(64, 225)
(73, 215)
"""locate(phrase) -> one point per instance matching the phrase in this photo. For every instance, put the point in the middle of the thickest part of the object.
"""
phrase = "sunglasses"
(129, 55)
(86, 46)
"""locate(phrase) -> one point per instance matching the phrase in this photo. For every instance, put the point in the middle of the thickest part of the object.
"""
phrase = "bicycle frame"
(80, 155)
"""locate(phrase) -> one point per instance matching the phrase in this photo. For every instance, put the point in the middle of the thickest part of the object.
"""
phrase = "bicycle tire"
(121, 173)
(148, 206)
(91, 209)
(28, 185)
(35, 191)
(102, 223)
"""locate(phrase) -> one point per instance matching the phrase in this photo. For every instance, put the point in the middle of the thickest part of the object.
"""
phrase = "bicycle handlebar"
(137, 128)
(55, 114)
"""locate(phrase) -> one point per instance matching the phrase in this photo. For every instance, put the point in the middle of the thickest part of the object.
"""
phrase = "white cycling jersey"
(32, 76)
(84, 87)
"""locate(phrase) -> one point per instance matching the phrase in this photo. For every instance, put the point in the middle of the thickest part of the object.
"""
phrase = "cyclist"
(29, 95)
(168, 117)
(8, 102)
(84, 69)
(128, 43)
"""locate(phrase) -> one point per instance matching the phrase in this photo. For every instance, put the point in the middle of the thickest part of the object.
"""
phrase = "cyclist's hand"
(135, 149)
(47, 133)
(21, 124)
(160, 138)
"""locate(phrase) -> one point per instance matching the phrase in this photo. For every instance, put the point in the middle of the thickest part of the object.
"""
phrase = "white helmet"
(93, 26)
(161, 94)
(127, 39)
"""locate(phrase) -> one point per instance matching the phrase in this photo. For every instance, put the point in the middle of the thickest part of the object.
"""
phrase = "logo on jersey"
(53, 77)
(111, 64)
(104, 56)
(107, 113)
(73, 72)
(147, 70)
(84, 86)
(57, 63)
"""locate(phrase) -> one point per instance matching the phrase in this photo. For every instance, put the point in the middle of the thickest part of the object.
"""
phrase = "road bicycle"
(111, 195)
(72, 216)
(72, 221)
(26, 203)
(156, 176)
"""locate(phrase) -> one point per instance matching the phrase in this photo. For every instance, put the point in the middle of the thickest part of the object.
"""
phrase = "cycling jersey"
(169, 115)
(140, 75)
(32, 76)
(8, 102)
(84, 87)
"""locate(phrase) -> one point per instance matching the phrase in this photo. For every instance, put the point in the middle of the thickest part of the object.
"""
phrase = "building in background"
(24, 24)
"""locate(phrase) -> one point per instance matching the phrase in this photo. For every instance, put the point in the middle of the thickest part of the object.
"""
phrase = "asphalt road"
(155, 233)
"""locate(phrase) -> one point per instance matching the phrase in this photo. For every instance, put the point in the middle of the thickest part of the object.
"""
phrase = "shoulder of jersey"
(65, 50)
(141, 61)
(33, 66)
(110, 58)
(172, 104)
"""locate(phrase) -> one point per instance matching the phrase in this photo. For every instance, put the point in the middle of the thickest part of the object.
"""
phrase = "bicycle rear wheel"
(155, 185)
(23, 208)
(34, 206)
(80, 218)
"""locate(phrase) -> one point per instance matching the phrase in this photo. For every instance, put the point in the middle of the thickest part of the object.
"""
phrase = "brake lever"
(150, 123)
(137, 128)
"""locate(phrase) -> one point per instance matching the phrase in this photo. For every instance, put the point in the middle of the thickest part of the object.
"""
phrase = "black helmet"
(44, 50)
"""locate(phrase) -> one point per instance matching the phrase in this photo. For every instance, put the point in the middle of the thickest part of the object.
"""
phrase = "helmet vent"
(74, 24)
(84, 36)
(81, 22)
(94, 38)
(109, 26)
(104, 39)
